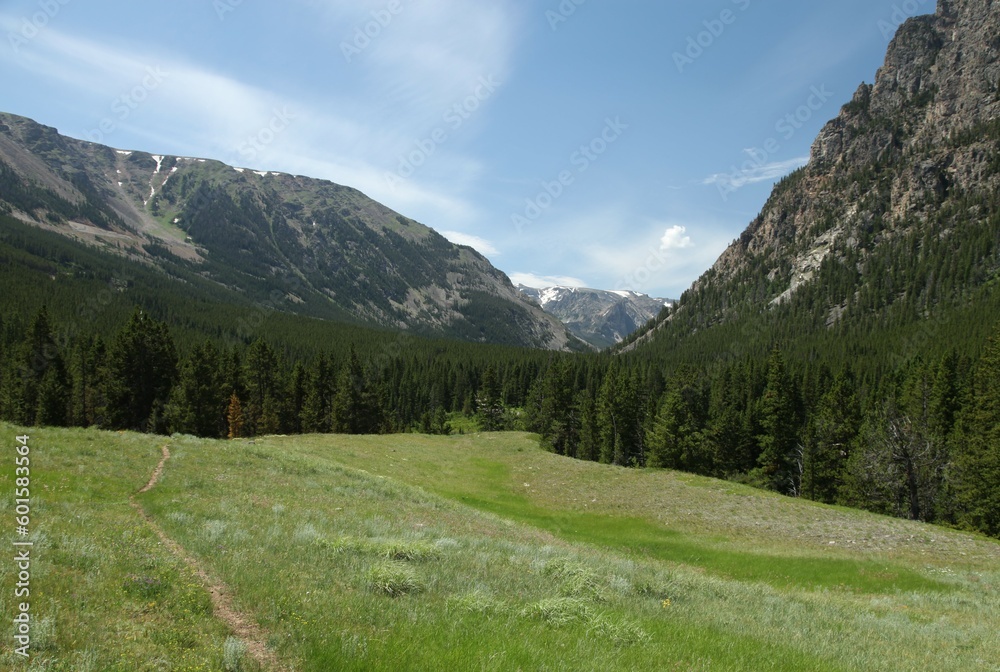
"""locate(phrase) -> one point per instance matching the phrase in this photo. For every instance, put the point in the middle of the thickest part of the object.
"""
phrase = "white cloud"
(198, 111)
(754, 173)
(544, 281)
(481, 245)
(675, 239)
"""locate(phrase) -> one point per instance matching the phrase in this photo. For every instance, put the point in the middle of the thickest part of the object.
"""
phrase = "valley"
(475, 534)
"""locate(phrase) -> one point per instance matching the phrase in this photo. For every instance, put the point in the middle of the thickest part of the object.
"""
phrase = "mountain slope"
(598, 317)
(313, 246)
(894, 225)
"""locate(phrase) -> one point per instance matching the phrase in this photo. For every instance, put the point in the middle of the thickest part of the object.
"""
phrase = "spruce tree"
(977, 453)
(197, 405)
(142, 366)
(779, 440)
(489, 401)
(834, 427)
(317, 406)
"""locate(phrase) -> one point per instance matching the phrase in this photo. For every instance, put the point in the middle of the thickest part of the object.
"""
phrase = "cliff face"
(897, 205)
(903, 147)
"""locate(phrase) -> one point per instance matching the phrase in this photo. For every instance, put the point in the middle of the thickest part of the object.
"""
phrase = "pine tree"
(197, 404)
(619, 420)
(357, 407)
(142, 365)
(590, 437)
(558, 420)
(977, 453)
(87, 403)
(261, 408)
(834, 427)
(779, 440)
(317, 406)
(677, 439)
(489, 401)
(37, 385)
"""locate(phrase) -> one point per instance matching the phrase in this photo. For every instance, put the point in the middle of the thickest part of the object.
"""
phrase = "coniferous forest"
(917, 442)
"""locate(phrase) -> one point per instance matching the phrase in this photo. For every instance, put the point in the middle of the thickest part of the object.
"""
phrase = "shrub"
(393, 578)
(557, 611)
(619, 633)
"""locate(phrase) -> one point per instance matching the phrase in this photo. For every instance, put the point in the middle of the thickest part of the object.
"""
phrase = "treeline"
(921, 442)
(139, 381)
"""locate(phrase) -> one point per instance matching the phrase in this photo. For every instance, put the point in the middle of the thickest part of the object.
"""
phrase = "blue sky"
(618, 145)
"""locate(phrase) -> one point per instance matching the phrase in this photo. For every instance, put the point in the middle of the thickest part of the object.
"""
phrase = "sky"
(615, 145)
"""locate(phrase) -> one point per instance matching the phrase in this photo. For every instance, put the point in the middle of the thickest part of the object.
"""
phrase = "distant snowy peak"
(599, 317)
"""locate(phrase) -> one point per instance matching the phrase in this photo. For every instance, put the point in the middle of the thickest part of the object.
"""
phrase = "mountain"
(598, 317)
(885, 245)
(301, 245)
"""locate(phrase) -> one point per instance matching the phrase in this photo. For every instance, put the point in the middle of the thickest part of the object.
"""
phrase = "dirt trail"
(222, 604)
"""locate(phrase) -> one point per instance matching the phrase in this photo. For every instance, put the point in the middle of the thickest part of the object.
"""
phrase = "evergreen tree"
(558, 420)
(489, 402)
(317, 407)
(677, 439)
(357, 408)
(37, 385)
(894, 468)
(977, 453)
(619, 420)
(834, 428)
(142, 365)
(197, 403)
(590, 437)
(261, 376)
(779, 440)
(88, 403)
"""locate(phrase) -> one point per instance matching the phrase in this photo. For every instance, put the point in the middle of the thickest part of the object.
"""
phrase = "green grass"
(477, 552)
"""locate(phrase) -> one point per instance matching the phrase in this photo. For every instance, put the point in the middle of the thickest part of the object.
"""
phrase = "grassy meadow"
(474, 552)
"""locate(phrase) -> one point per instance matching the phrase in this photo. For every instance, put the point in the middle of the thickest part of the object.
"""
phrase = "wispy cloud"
(481, 245)
(752, 173)
(543, 281)
(426, 61)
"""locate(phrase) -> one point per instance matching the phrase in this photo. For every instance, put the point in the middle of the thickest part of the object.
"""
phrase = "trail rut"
(242, 625)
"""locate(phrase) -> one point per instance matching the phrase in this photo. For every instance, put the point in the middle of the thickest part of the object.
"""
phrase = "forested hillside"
(308, 246)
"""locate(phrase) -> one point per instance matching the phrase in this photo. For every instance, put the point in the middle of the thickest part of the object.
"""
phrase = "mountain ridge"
(328, 249)
(912, 160)
(602, 318)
